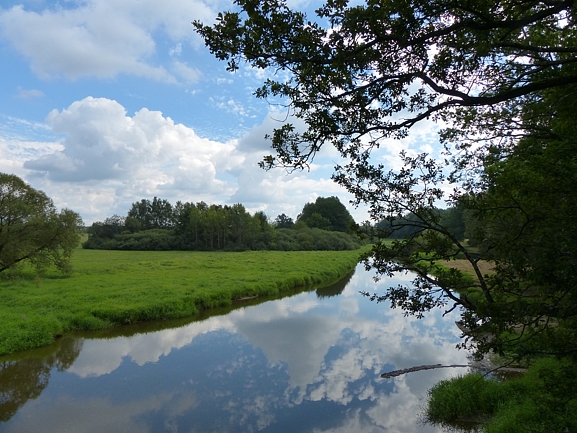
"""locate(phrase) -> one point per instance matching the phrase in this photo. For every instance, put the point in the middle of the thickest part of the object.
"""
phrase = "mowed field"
(465, 266)
(111, 288)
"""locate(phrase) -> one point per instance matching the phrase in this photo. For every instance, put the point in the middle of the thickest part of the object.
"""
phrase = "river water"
(309, 362)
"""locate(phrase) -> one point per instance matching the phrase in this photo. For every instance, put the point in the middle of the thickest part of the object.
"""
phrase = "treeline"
(158, 225)
(456, 220)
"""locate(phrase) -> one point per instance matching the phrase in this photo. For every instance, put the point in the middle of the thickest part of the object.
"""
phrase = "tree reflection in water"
(25, 379)
(334, 289)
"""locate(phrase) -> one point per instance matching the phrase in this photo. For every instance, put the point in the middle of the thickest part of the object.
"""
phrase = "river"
(309, 362)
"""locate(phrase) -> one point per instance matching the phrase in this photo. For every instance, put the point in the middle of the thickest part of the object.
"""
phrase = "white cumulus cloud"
(108, 159)
(101, 159)
(101, 38)
(103, 143)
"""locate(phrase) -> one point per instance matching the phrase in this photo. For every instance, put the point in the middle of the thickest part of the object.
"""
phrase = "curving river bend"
(310, 362)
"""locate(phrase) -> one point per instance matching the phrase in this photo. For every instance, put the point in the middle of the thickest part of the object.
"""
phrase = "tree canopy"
(154, 214)
(283, 221)
(31, 229)
(200, 226)
(327, 213)
(500, 78)
(363, 72)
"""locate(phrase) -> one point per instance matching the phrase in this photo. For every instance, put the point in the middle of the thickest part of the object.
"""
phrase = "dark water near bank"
(306, 363)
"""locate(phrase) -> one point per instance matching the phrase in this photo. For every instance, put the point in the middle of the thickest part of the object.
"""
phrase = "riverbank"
(541, 400)
(110, 288)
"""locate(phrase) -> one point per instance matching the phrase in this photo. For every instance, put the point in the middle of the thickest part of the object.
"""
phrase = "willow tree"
(31, 228)
(485, 70)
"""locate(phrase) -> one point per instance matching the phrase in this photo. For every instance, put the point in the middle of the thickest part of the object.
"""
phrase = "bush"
(147, 240)
(543, 400)
(305, 239)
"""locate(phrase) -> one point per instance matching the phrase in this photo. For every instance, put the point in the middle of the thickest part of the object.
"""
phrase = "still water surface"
(309, 362)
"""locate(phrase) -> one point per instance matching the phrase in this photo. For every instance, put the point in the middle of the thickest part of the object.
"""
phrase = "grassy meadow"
(111, 288)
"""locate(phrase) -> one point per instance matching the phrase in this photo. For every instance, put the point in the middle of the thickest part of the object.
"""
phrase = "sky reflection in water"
(306, 363)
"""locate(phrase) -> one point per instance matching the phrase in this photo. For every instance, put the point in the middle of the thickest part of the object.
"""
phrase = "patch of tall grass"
(118, 287)
(542, 400)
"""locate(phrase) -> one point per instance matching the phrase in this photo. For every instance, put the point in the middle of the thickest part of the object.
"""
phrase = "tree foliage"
(501, 77)
(283, 221)
(199, 226)
(327, 213)
(31, 229)
(526, 219)
(155, 214)
(354, 68)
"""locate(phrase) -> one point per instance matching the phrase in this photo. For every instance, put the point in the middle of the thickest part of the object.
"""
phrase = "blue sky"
(106, 102)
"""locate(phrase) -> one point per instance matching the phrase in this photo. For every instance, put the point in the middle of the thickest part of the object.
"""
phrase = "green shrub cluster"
(542, 400)
(148, 240)
(304, 239)
(307, 239)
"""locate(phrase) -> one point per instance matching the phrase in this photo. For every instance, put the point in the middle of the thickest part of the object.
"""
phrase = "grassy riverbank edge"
(111, 288)
(538, 401)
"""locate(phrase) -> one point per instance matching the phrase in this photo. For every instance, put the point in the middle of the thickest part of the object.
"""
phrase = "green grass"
(543, 400)
(111, 288)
